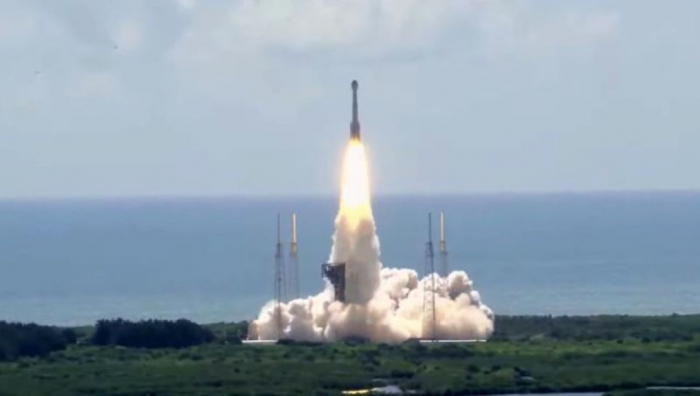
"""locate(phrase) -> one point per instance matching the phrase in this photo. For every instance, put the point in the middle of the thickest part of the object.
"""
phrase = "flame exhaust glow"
(354, 188)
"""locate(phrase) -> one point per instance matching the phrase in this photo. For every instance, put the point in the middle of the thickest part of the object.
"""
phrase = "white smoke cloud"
(382, 304)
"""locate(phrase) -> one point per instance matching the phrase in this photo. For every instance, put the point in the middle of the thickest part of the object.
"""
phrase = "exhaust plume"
(381, 304)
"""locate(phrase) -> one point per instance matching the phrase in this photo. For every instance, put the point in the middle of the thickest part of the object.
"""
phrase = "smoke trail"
(382, 304)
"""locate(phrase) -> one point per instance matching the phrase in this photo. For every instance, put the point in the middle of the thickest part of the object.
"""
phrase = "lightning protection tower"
(444, 265)
(293, 273)
(429, 286)
(279, 280)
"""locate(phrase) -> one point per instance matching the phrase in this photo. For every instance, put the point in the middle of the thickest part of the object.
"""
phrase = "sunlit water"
(72, 262)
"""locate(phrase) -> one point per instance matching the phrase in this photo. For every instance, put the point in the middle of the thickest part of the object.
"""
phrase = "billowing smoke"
(381, 304)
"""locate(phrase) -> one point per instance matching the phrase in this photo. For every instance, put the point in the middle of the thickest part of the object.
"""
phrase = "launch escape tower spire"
(293, 273)
(444, 265)
(279, 280)
(429, 286)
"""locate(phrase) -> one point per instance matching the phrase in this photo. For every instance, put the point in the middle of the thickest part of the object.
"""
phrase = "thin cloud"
(128, 36)
(515, 28)
(100, 84)
(385, 28)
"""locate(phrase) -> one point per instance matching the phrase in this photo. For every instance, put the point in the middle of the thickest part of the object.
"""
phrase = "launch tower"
(279, 280)
(335, 273)
(429, 286)
(293, 273)
(444, 264)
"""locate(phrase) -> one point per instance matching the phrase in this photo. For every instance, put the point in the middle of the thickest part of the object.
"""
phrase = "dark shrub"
(18, 339)
(151, 333)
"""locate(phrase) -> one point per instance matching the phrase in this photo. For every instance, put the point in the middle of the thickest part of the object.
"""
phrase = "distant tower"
(279, 280)
(293, 273)
(429, 288)
(444, 265)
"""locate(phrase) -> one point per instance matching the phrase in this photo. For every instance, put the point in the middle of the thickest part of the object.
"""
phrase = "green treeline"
(151, 333)
(229, 333)
(599, 327)
(525, 355)
(33, 340)
(19, 339)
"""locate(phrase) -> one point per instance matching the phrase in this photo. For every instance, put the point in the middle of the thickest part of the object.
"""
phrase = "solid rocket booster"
(355, 124)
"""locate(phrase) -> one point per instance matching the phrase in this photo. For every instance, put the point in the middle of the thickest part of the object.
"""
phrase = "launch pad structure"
(335, 273)
(279, 280)
(434, 283)
(286, 283)
(444, 264)
(292, 275)
(429, 286)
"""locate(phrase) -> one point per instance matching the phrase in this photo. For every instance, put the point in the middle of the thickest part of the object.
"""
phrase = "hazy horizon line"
(272, 196)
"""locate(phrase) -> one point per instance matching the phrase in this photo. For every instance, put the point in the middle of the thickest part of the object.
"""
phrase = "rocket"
(355, 124)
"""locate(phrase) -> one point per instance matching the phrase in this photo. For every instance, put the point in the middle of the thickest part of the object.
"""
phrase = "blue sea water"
(70, 262)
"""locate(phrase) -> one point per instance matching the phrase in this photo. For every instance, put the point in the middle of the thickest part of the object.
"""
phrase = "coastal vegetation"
(150, 333)
(623, 354)
(18, 339)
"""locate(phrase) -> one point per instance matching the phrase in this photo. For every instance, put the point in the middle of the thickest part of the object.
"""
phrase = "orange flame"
(354, 190)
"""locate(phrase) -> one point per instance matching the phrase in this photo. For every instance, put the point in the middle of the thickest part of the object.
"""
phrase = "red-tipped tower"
(355, 124)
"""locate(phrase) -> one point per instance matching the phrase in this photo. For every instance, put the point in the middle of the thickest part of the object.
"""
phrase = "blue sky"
(134, 98)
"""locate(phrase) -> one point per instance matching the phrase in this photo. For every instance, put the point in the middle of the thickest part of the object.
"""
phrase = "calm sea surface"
(73, 261)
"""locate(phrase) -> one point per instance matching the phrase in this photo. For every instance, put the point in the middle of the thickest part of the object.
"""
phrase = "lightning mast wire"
(279, 280)
(293, 273)
(429, 314)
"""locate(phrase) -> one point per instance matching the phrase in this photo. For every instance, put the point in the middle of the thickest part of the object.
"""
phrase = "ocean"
(71, 262)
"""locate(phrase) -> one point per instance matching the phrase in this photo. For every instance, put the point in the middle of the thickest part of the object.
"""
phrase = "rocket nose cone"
(354, 84)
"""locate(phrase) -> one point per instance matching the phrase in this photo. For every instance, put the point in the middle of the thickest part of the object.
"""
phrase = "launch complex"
(354, 303)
